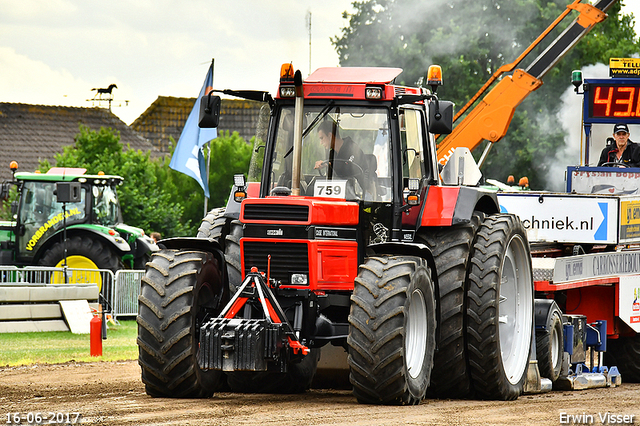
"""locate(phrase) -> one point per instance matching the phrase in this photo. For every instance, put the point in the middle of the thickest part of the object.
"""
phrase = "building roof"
(29, 133)
(167, 115)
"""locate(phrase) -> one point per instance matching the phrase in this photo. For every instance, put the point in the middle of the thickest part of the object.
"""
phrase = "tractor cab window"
(345, 153)
(106, 210)
(42, 215)
(411, 139)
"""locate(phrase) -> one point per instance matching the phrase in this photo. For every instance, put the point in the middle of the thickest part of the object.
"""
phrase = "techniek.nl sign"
(558, 218)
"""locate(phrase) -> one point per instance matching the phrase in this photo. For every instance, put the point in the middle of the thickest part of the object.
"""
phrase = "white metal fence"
(125, 300)
(119, 292)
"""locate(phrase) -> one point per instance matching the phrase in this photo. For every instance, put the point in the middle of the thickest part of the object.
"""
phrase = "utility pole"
(209, 156)
(309, 27)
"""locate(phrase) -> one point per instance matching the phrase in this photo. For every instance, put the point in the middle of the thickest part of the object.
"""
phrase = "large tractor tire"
(297, 379)
(214, 226)
(550, 345)
(180, 290)
(624, 353)
(83, 252)
(451, 248)
(500, 308)
(392, 327)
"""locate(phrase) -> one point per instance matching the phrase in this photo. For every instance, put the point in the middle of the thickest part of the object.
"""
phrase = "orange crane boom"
(490, 118)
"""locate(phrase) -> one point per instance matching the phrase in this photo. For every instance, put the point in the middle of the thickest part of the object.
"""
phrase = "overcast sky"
(54, 52)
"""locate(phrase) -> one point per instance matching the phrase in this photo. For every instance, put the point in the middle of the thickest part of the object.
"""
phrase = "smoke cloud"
(570, 118)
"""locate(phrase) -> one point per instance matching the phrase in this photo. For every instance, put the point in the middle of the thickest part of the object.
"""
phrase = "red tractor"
(347, 234)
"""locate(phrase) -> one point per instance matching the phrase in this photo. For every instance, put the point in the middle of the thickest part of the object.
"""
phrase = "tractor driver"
(340, 152)
(623, 152)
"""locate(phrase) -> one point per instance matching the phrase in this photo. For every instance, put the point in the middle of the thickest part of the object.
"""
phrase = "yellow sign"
(49, 224)
(630, 212)
(624, 67)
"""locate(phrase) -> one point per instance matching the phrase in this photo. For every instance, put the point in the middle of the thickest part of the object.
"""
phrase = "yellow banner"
(630, 212)
(624, 67)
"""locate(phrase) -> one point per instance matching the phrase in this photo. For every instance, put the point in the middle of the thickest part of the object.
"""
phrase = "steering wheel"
(320, 170)
(346, 169)
(614, 164)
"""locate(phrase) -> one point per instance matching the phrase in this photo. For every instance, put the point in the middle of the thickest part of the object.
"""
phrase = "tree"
(471, 40)
(144, 201)
(230, 155)
(153, 196)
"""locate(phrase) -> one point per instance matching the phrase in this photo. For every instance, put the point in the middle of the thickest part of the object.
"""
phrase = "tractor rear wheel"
(392, 328)
(624, 353)
(500, 308)
(179, 292)
(451, 248)
(214, 226)
(550, 345)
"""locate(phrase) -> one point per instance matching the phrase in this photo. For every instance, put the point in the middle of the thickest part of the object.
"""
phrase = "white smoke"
(570, 118)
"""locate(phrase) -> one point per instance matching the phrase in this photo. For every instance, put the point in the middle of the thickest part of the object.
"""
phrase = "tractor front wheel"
(180, 291)
(392, 328)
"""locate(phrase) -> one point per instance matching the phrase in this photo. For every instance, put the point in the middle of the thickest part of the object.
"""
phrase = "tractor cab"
(86, 205)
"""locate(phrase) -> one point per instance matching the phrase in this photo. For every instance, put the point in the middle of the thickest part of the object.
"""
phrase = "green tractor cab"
(85, 208)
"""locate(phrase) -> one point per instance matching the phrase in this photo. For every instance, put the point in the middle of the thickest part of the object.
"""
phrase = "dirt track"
(112, 394)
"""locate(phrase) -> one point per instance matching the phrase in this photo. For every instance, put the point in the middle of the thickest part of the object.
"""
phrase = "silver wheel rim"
(416, 334)
(515, 310)
(555, 346)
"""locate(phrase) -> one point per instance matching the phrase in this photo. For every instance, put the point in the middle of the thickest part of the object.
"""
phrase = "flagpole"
(206, 200)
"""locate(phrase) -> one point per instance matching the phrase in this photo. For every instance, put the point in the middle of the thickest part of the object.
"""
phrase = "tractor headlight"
(299, 279)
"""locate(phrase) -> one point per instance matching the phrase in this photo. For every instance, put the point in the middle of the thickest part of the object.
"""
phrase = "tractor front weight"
(250, 344)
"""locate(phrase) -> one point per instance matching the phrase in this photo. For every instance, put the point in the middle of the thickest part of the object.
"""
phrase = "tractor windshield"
(106, 209)
(345, 153)
(42, 215)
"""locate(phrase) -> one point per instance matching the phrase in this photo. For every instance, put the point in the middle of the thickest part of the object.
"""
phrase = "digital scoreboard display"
(614, 101)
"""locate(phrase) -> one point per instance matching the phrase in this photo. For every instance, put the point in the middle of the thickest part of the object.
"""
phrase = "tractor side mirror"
(209, 112)
(440, 117)
(4, 191)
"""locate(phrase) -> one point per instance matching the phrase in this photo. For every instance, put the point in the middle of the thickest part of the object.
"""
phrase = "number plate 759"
(330, 188)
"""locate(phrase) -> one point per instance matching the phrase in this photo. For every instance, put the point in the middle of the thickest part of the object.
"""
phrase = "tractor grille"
(286, 258)
(283, 212)
(399, 90)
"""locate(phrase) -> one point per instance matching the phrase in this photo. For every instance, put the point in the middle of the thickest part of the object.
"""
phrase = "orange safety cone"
(95, 335)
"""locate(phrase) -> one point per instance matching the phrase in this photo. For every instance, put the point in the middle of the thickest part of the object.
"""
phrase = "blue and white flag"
(188, 157)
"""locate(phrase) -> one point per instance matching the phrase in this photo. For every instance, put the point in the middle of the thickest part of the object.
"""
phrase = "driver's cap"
(620, 127)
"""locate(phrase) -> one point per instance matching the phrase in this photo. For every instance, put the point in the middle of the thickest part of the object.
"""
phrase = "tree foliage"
(153, 196)
(471, 40)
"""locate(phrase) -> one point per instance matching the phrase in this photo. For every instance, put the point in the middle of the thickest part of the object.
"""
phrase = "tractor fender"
(451, 205)
(542, 310)
(144, 245)
(406, 249)
(117, 242)
(197, 244)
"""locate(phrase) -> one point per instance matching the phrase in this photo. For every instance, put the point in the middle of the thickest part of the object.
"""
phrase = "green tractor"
(66, 202)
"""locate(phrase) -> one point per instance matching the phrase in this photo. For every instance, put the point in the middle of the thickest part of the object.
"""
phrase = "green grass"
(54, 347)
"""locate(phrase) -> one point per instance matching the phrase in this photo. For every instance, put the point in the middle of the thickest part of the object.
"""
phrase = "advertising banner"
(588, 180)
(564, 218)
(596, 265)
(629, 301)
(629, 219)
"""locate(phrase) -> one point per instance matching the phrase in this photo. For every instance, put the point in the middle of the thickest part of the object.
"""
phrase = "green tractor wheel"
(83, 252)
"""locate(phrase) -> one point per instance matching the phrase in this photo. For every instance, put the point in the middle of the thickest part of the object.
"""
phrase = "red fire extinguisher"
(96, 336)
